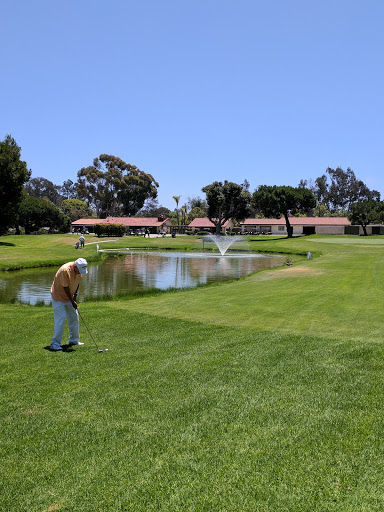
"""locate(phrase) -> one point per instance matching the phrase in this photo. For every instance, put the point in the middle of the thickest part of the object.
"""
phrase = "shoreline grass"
(19, 252)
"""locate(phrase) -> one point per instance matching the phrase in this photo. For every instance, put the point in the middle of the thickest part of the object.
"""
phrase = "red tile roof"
(299, 221)
(134, 222)
(203, 222)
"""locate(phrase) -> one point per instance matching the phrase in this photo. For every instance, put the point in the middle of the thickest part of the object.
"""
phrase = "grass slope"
(338, 294)
(258, 395)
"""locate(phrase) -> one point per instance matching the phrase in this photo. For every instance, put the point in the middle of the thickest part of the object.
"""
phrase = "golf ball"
(106, 349)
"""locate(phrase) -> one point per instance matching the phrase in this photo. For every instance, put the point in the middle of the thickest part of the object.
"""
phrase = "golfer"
(82, 240)
(64, 294)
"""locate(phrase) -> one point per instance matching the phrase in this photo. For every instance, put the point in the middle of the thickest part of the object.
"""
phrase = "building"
(204, 224)
(156, 225)
(300, 225)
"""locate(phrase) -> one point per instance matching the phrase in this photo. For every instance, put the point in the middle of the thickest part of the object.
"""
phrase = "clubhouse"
(155, 225)
(300, 225)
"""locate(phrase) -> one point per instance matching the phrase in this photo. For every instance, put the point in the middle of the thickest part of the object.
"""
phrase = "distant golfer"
(64, 295)
(82, 240)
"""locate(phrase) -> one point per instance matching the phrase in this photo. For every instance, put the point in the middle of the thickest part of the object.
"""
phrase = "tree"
(196, 213)
(342, 190)
(76, 209)
(184, 212)
(36, 213)
(152, 208)
(366, 212)
(43, 188)
(320, 190)
(197, 202)
(177, 199)
(113, 187)
(162, 210)
(13, 175)
(68, 190)
(226, 201)
(276, 201)
(321, 210)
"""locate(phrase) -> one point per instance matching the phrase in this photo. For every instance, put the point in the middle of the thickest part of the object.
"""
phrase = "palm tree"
(184, 211)
(177, 199)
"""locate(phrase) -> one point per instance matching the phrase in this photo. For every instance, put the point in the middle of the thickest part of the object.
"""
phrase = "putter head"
(100, 350)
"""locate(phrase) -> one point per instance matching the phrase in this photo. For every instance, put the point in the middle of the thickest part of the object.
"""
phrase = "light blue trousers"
(62, 311)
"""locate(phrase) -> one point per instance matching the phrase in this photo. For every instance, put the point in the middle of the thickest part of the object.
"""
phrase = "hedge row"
(110, 229)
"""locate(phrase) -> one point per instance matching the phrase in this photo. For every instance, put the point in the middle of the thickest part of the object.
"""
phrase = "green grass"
(263, 394)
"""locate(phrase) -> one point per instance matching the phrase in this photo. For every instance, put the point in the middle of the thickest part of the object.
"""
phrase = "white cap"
(82, 265)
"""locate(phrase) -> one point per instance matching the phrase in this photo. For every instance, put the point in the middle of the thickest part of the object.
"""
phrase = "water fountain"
(223, 242)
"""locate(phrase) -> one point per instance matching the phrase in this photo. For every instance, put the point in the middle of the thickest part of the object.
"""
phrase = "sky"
(194, 92)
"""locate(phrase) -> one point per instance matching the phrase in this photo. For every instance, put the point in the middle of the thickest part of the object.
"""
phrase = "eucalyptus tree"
(43, 188)
(68, 190)
(114, 187)
(338, 189)
(152, 208)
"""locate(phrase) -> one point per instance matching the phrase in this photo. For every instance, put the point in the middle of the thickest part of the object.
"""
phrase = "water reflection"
(137, 271)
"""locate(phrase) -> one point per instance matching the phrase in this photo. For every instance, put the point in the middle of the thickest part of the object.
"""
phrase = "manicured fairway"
(264, 394)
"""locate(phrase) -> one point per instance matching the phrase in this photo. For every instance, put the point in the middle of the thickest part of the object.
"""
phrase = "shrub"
(109, 230)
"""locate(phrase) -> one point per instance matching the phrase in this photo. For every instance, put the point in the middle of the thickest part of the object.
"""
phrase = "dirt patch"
(52, 508)
(288, 272)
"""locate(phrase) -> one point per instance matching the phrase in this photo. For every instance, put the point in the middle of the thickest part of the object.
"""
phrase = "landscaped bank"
(261, 394)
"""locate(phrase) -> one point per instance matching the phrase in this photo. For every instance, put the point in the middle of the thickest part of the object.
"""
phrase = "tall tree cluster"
(44, 189)
(109, 187)
(338, 190)
(232, 201)
(112, 187)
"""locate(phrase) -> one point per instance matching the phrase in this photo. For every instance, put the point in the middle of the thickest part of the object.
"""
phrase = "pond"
(137, 271)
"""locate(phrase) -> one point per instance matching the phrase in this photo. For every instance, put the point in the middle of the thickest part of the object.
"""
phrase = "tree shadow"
(269, 239)
(265, 239)
(7, 244)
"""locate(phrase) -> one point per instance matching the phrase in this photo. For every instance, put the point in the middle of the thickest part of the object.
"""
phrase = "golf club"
(89, 332)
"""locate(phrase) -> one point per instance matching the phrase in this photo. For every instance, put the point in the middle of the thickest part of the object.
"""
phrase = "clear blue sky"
(196, 91)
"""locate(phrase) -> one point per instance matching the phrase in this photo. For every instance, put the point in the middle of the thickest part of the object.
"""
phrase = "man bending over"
(64, 295)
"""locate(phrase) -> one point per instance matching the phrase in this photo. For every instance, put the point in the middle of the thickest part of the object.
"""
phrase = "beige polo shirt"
(65, 278)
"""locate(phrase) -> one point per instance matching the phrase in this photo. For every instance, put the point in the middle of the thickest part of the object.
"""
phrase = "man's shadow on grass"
(66, 348)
